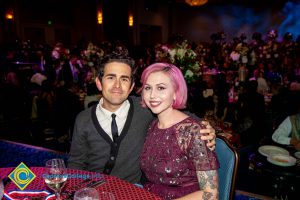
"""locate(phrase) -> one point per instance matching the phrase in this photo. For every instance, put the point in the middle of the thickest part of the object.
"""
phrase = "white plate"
(297, 154)
(267, 150)
(282, 160)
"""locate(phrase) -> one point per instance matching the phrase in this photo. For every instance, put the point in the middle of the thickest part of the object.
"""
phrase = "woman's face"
(158, 92)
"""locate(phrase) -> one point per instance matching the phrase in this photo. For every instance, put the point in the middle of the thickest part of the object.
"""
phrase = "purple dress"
(171, 157)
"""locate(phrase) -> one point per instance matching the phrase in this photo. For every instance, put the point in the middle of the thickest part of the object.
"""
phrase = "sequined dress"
(171, 156)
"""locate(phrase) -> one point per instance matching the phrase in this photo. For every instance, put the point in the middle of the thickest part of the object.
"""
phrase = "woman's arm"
(208, 182)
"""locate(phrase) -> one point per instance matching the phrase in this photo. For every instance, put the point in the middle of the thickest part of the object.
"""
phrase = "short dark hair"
(121, 57)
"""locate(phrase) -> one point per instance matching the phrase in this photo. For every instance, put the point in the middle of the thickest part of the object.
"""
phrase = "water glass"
(86, 194)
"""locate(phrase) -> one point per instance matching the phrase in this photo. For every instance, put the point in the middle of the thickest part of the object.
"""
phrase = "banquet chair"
(228, 158)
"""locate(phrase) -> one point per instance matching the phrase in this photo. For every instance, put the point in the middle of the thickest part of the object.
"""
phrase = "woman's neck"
(170, 117)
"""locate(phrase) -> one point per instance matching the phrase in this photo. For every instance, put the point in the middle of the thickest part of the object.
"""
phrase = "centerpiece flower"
(183, 56)
(92, 55)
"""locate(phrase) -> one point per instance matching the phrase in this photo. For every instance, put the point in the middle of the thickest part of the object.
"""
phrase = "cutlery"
(78, 185)
(96, 183)
(92, 184)
(75, 187)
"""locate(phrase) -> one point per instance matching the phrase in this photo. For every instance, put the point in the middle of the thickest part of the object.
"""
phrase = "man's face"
(115, 85)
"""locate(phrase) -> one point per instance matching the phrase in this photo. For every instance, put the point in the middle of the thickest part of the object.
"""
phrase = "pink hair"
(176, 77)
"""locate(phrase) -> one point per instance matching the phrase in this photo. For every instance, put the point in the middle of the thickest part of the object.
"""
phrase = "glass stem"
(57, 195)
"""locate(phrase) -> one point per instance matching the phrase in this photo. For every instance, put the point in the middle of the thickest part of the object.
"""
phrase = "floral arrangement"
(92, 55)
(181, 55)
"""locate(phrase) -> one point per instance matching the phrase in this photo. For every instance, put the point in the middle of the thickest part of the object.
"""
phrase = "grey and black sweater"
(91, 146)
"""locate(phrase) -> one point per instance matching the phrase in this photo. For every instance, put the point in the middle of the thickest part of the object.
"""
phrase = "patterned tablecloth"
(77, 179)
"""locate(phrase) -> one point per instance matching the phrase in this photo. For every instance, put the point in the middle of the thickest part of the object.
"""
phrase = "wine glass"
(1, 189)
(55, 175)
(106, 196)
(86, 194)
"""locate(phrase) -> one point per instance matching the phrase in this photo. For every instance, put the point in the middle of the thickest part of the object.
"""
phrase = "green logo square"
(22, 176)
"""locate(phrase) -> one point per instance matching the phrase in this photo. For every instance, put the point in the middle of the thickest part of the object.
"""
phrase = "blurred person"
(92, 94)
(250, 115)
(262, 85)
(15, 103)
(93, 146)
(288, 131)
(176, 162)
(15, 108)
(294, 86)
(222, 110)
(38, 77)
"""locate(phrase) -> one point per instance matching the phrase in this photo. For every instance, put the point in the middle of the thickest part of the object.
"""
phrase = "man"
(95, 147)
(288, 132)
(250, 115)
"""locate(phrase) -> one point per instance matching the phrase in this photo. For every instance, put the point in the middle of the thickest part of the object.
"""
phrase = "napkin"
(28, 194)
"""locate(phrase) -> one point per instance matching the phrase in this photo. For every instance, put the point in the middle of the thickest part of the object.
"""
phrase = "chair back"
(228, 158)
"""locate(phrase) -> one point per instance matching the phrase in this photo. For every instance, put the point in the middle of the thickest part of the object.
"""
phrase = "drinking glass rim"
(55, 162)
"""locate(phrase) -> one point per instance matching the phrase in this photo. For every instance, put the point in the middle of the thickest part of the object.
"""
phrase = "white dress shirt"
(282, 134)
(104, 117)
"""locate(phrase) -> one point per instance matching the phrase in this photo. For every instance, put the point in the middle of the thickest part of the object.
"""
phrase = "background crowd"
(247, 84)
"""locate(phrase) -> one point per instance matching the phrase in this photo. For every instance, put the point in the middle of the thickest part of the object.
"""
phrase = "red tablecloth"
(121, 189)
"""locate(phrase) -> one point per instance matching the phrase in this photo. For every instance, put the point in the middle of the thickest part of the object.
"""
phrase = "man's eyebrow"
(124, 76)
(114, 75)
(110, 75)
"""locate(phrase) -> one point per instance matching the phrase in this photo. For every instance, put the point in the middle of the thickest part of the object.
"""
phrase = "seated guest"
(288, 132)
(92, 93)
(176, 162)
(251, 115)
(262, 87)
(295, 86)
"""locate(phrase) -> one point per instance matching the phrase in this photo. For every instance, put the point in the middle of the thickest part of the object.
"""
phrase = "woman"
(176, 162)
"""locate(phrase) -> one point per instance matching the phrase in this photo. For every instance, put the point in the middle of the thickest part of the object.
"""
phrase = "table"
(121, 189)
(285, 179)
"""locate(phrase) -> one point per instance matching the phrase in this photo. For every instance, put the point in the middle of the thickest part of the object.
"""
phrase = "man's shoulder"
(135, 101)
(85, 114)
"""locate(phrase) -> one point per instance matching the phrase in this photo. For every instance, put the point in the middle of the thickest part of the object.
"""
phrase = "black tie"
(114, 127)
